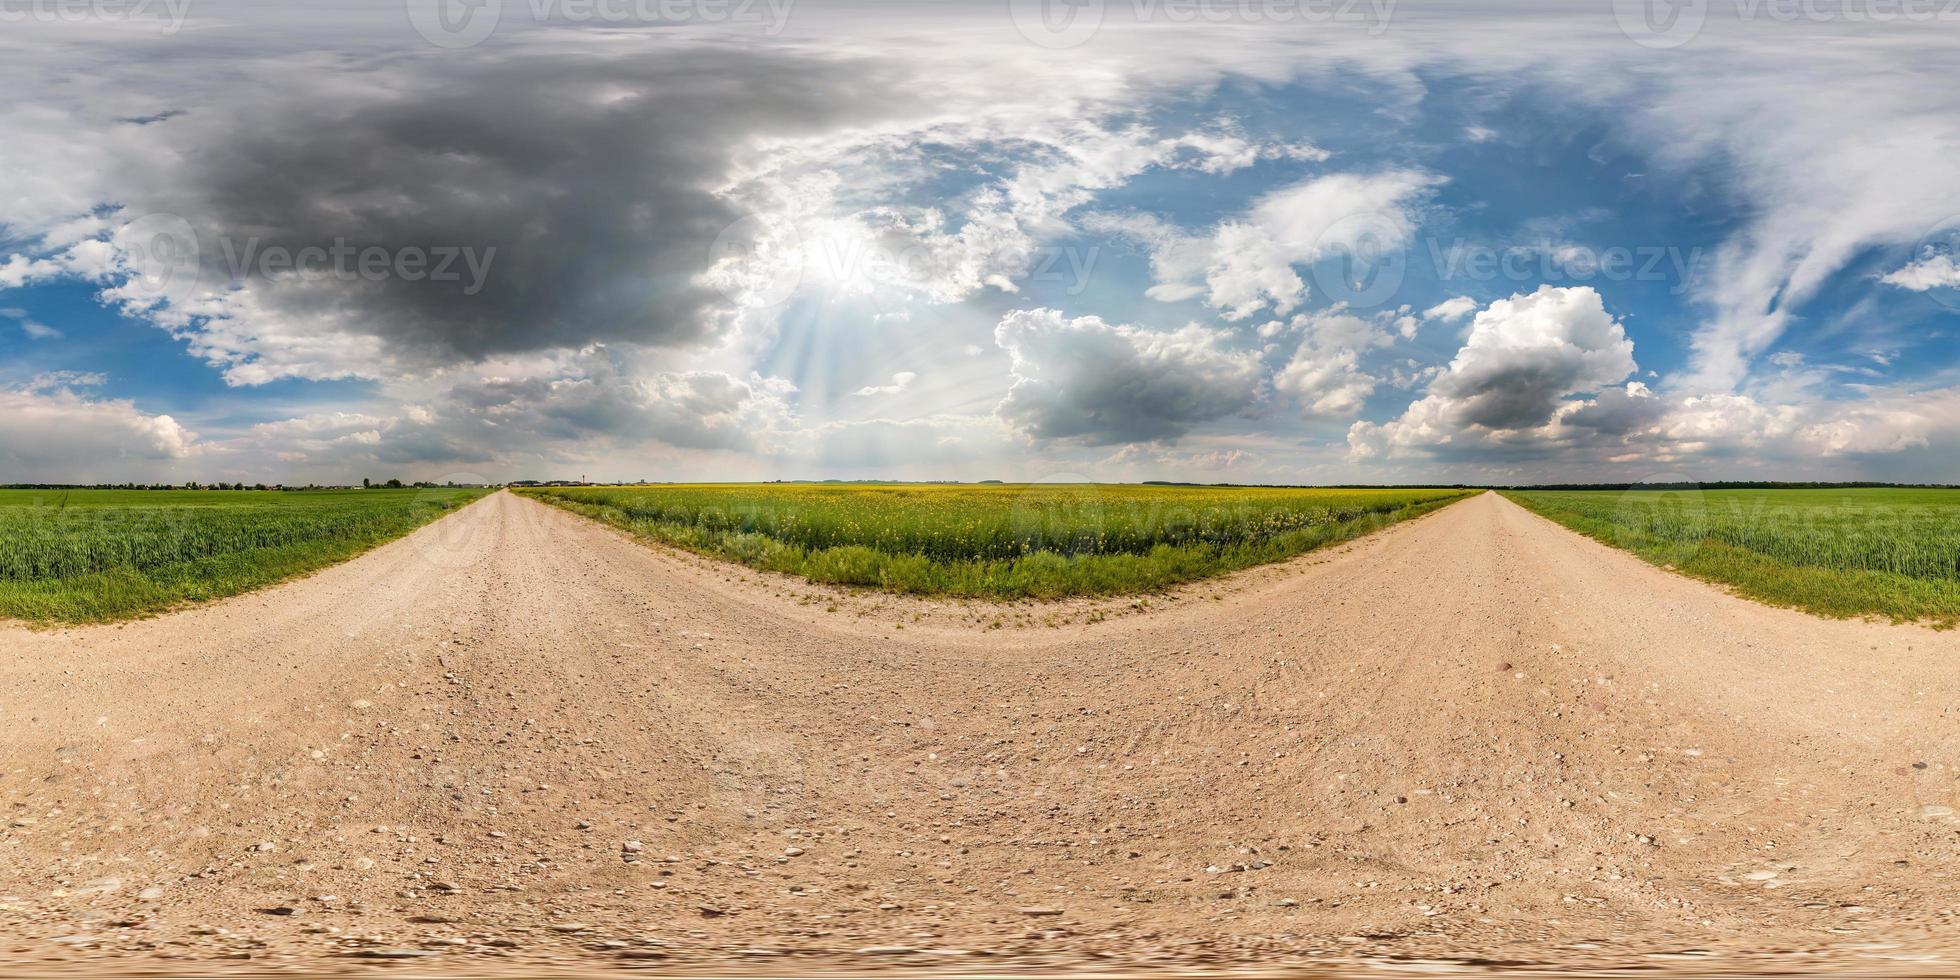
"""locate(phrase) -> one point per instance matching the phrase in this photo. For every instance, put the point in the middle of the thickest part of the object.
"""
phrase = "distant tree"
(394, 484)
(366, 483)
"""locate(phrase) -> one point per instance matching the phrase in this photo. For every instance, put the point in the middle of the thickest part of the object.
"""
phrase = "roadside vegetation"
(72, 556)
(998, 541)
(1891, 552)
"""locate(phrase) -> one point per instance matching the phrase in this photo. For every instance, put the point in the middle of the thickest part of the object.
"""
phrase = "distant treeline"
(1729, 485)
(397, 484)
(194, 485)
(1319, 486)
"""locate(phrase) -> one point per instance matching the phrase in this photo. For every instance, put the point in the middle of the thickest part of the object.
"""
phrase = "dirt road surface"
(518, 741)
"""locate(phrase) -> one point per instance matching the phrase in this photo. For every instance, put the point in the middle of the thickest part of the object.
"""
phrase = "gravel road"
(516, 741)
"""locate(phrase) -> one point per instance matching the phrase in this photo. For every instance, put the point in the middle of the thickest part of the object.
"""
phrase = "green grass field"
(1000, 541)
(1888, 552)
(96, 555)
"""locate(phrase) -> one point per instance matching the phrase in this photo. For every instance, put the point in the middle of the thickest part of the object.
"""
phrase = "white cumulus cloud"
(900, 381)
(1451, 310)
(1248, 263)
(56, 434)
(1931, 272)
(1525, 355)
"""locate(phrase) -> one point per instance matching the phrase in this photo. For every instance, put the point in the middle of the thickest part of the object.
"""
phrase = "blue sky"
(915, 241)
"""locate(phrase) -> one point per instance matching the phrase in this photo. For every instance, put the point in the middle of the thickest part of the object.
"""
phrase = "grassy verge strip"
(1838, 593)
(101, 556)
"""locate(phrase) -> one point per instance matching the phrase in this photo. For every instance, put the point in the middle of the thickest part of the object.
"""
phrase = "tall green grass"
(1002, 541)
(97, 555)
(1889, 552)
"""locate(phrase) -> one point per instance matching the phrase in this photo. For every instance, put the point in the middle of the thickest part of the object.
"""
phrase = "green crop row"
(1892, 552)
(997, 540)
(95, 555)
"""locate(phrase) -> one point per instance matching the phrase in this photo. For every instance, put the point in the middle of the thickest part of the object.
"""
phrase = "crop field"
(1892, 552)
(96, 555)
(1002, 541)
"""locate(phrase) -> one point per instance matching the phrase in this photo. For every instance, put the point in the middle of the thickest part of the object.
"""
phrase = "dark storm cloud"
(592, 176)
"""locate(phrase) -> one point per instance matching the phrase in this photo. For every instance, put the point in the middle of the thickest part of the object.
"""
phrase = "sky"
(1246, 241)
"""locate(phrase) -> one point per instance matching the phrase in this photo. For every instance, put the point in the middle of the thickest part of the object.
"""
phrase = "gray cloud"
(601, 399)
(1618, 412)
(595, 408)
(591, 174)
(1098, 383)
